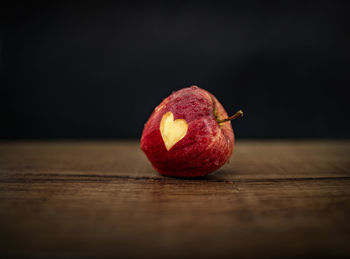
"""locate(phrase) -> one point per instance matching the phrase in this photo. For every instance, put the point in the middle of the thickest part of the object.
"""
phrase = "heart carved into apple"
(172, 131)
(189, 134)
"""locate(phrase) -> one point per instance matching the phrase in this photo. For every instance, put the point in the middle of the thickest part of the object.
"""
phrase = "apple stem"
(234, 116)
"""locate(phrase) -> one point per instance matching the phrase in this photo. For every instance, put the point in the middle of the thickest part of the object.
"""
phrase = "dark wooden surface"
(103, 199)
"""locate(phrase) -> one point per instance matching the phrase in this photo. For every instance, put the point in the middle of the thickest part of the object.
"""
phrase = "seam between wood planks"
(105, 178)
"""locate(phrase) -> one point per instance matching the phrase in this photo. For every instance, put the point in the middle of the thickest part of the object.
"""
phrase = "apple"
(188, 134)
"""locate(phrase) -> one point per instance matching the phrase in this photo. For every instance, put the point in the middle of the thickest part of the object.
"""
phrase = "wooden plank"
(251, 159)
(103, 199)
(171, 218)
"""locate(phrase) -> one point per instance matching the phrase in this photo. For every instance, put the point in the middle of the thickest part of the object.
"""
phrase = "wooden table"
(100, 199)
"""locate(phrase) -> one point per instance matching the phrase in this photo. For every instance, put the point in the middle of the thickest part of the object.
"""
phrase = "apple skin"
(207, 144)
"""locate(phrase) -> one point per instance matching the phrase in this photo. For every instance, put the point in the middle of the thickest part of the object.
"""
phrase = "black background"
(98, 70)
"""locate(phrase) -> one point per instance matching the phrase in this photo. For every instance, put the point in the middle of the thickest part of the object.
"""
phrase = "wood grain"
(98, 199)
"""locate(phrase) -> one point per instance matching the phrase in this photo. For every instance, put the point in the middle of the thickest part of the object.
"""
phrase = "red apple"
(188, 134)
